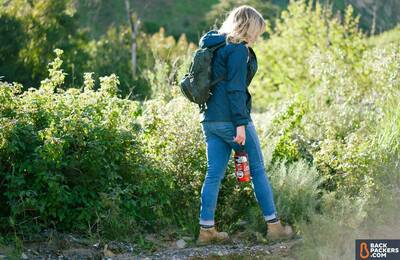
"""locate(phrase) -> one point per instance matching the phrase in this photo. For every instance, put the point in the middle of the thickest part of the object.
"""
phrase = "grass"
(11, 247)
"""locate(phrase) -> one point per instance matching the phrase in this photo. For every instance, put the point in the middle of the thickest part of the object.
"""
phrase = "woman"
(227, 123)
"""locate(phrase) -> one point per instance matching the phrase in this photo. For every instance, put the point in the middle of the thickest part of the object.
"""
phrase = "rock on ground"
(230, 251)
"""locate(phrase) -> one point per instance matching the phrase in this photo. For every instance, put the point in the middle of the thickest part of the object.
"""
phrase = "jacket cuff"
(241, 122)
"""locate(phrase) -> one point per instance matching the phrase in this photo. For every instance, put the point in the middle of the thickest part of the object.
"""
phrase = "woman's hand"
(240, 135)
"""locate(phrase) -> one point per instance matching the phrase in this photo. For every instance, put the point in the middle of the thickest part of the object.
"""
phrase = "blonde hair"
(244, 23)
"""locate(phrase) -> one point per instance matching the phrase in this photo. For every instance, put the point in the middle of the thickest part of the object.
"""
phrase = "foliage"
(386, 38)
(95, 37)
(332, 107)
(350, 114)
(12, 41)
(176, 17)
(84, 159)
(110, 54)
(289, 144)
(298, 34)
(296, 189)
(175, 143)
(168, 62)
(217, 14)
(72, 159)
(331, 234)
(34, 29)
(47, 25)
(193, 17)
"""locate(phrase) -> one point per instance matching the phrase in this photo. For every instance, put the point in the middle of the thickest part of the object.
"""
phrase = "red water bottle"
(242, 168)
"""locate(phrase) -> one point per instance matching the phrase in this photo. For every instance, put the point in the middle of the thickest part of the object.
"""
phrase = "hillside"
(385, 38)
(178, 17)
(387, 13)
(175, 16)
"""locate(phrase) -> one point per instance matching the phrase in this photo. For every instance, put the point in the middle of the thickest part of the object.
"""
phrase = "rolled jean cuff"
(207, 222)
(269, 217)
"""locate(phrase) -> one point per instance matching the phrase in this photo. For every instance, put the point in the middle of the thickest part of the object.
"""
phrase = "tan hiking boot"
(208, 235)
(277, 231)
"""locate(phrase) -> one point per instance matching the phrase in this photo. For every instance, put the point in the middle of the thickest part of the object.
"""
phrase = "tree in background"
(176, 17)
(47, 25)
(134, 25)
(13, 39)
(32, 29)
(96, 36)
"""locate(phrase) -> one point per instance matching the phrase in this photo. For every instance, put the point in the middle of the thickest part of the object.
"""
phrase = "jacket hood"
(211, 38)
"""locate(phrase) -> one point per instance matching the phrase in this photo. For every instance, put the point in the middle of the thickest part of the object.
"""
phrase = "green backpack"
(197, 83)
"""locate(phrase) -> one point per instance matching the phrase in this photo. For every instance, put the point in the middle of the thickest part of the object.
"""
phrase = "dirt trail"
(231, 251)
(63, 246)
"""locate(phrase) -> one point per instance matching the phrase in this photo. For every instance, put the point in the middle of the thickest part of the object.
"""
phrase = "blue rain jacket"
(230, 99)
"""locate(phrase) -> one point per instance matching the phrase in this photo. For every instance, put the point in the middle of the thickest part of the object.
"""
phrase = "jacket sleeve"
(236, 84)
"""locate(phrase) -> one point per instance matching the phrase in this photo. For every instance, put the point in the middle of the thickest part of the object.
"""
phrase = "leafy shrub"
(336, 87)
(73, 159)
(287, 128)
(46, 25)
(175, 143)
(169, 59)
(299, 32)
(347, 115)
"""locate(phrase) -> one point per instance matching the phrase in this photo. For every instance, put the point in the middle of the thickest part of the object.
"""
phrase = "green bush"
(299, 32)
(335, 87)
(296, 190)
(73, 159)
(175, 143)
(287, 127)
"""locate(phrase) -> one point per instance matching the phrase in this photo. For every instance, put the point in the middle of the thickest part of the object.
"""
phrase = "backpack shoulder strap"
(215, 47)
(222, 77)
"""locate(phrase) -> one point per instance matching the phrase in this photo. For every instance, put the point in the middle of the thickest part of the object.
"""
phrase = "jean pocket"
(227, 132)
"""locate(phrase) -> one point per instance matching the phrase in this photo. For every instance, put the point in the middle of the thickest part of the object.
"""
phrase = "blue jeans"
(219, 143)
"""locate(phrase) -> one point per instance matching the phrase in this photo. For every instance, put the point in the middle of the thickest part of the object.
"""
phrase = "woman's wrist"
(240, 134)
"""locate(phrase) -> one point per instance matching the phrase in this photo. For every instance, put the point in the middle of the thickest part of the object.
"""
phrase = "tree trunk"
(134, 24)
(373, 26)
